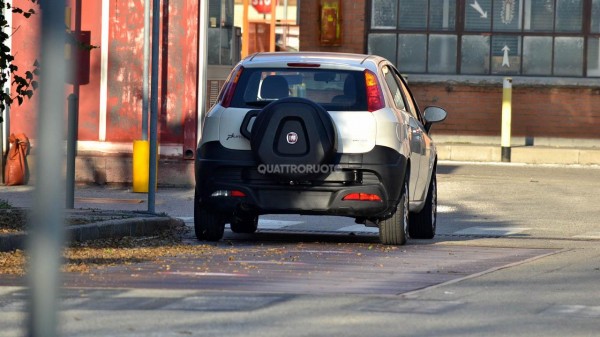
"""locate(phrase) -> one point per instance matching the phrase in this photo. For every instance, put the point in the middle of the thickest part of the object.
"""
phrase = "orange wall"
(177, 68)
(25, 46)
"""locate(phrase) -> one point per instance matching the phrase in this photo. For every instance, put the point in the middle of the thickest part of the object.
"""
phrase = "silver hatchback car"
(321, 134)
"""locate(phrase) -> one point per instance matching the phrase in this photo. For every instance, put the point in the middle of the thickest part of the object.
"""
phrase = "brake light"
(227, 93)
(362, 197)
(374, 94)
(236, 193)
(303, 65)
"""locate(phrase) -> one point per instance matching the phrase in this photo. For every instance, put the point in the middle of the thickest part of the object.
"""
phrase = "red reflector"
(362, 197)
(374, 94)
(238, 194)
(304, 65)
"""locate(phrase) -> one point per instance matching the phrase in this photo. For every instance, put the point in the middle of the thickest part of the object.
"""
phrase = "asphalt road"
(516, 254)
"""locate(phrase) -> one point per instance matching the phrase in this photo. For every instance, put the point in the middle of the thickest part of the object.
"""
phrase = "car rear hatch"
(350, 94)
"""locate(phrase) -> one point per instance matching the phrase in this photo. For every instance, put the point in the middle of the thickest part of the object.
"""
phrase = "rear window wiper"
(259, 103)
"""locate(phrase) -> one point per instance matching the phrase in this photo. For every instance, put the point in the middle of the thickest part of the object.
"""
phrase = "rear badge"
(292, 138)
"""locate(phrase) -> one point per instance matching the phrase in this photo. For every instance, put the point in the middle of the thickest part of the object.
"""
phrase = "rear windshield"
(333, 89)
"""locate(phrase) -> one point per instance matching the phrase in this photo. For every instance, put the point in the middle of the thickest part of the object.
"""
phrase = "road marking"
(262, 223)
(446, 209)
(267, 262)
(276, 224)
(156, 293)
(108, 201)
(588, 235)
(185, 273)
(491, 231)
(5, 290)
(581, 311)
(358, 228)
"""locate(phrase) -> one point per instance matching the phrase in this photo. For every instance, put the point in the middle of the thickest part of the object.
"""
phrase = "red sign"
(262, 6)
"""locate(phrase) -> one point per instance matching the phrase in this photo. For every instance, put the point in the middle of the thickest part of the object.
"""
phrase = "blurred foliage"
(24, 84)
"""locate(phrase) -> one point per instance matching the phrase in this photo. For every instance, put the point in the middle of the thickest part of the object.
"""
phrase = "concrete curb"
(136, 226)
(519, 154)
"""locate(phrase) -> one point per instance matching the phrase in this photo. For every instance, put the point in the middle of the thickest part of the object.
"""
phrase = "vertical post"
(154, 107)
(104, 47)
(202, 64)
(46, 236)
(145, 71)
(71, 149)
(272, 25)
(506, 118)
(4, 130)
(245, 30)
(141, 152)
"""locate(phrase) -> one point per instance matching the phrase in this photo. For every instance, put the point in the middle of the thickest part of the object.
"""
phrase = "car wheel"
(208, 225)
(422, 224)
(392, 231)
(246, 223)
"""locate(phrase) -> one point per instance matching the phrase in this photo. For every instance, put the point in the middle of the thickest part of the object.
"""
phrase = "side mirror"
(433, 114)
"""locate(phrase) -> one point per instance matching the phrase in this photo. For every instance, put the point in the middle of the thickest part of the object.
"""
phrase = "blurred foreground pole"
(46, 238)
(506, 118)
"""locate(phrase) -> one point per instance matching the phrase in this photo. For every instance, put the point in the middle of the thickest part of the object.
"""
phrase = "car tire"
(393, 230)
(246, 223)
(208, 225)
(423, 224)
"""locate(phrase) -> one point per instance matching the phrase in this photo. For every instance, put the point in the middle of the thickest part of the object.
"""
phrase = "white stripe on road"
(358, 228)
(588, 235)
(446, 209)
(276, 224)
(491, 231)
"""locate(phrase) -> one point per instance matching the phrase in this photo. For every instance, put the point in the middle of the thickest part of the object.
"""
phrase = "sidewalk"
(104, 212)
(519, 154)
(524, 150)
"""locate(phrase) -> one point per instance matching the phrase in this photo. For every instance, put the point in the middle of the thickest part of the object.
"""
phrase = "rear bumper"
(380, 171)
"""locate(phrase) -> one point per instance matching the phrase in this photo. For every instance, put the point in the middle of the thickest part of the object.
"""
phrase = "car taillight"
(374, 94)
(227, 193)
(232, 81)
(362, 197)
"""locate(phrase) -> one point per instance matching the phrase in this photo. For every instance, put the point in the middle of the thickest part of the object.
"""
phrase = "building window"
(488, 37)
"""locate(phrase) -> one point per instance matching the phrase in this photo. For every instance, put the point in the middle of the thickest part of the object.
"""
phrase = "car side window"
(394, 88)
(410, 104)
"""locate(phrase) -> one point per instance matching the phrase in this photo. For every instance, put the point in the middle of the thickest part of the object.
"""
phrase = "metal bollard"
(506, 118)
(72, 133)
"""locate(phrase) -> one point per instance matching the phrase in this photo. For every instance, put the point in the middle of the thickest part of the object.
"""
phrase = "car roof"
(324, 59)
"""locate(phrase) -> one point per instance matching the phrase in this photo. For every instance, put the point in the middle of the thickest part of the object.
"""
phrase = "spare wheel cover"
(295, 134)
